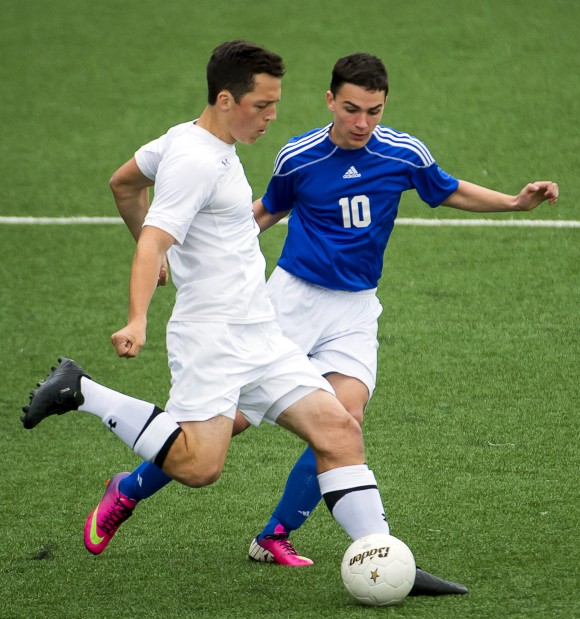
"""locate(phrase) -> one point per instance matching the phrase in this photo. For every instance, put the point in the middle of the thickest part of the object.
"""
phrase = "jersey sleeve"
(279, 195)
(183, 185)
(433, 184)
(149, 156)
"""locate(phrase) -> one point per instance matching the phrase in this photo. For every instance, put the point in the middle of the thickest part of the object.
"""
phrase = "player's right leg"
(70, 388)
(189, 451)
(103, 522)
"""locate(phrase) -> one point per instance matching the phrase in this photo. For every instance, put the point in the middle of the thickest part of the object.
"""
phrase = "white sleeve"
(149, 156)
(184, 184)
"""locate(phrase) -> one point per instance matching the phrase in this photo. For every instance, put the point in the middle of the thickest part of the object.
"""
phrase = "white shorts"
(336, 329)
(218, 367)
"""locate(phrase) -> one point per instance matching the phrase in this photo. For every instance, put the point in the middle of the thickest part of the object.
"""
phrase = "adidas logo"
(351, 173)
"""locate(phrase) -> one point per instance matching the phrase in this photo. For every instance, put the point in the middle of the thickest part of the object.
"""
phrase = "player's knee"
(340, 439)
(194, 478)
(194, 475)
(357, 413)
(350, 436)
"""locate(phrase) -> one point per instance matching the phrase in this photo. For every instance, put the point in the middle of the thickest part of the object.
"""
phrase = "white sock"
(146, 429)
(352, 496)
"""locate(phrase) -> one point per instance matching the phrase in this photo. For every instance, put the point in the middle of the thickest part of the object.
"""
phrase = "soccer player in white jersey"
(225, 349)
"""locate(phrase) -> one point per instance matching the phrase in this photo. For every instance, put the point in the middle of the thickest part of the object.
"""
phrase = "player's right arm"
(152, 246)
(130, 189)
(264, 218)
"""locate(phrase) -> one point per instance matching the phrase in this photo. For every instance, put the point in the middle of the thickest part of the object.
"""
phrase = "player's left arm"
(477, 199)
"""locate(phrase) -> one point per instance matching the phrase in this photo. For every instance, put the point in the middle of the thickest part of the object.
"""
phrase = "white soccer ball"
(378, 570)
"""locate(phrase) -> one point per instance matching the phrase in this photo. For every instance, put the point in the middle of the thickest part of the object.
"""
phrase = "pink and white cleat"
(103, 522)
(277, 548)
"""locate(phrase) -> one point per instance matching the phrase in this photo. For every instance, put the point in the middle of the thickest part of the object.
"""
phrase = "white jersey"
(204, 201)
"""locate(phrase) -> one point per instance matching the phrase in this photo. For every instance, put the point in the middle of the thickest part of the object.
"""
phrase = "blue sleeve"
(433, 184)
(279, 195)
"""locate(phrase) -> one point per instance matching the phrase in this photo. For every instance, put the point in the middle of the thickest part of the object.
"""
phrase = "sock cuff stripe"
(156, 411)
(160, 457)
(345, 477)
(152, 440)
(333, 497)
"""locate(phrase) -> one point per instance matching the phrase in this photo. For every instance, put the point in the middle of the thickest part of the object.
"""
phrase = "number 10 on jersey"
(356, 211)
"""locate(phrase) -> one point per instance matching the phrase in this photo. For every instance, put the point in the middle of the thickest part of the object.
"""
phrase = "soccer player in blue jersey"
(341, 185)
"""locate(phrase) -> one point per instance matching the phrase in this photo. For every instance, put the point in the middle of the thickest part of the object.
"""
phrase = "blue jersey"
(344, 202)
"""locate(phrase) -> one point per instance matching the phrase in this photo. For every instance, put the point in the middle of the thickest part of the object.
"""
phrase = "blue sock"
(144, 481)
(301, 495)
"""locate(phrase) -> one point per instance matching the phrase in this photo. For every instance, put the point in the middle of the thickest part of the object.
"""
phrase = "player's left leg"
(123, 492)
(145, 428)
(301, 495)
(195, 461)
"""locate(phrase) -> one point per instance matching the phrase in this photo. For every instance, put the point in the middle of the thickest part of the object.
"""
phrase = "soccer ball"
(378, 570)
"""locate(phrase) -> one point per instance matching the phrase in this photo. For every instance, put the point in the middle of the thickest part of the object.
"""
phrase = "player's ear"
(224, 100)
(330, 102)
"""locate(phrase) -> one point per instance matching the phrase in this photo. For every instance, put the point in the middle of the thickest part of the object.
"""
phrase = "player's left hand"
(533, 194)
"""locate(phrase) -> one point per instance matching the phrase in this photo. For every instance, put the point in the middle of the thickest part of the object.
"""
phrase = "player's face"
(356, 113)
(251, 116)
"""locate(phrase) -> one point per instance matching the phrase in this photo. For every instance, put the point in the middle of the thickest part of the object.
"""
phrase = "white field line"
(498, 223)
(401, 221)
(59, 221)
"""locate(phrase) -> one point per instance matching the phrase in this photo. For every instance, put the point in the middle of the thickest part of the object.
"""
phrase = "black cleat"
(58, 394)
(427, 584)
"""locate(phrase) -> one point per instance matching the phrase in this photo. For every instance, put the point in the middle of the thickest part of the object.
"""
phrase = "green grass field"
(473, 430)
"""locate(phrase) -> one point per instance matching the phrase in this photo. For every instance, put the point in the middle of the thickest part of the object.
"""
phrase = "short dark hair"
(360, 69)
(234, 64)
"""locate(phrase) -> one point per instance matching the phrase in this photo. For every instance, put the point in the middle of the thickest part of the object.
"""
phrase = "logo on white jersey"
(351, 173)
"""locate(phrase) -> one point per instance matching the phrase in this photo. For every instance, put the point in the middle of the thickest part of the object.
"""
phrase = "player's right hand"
(129, 341)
